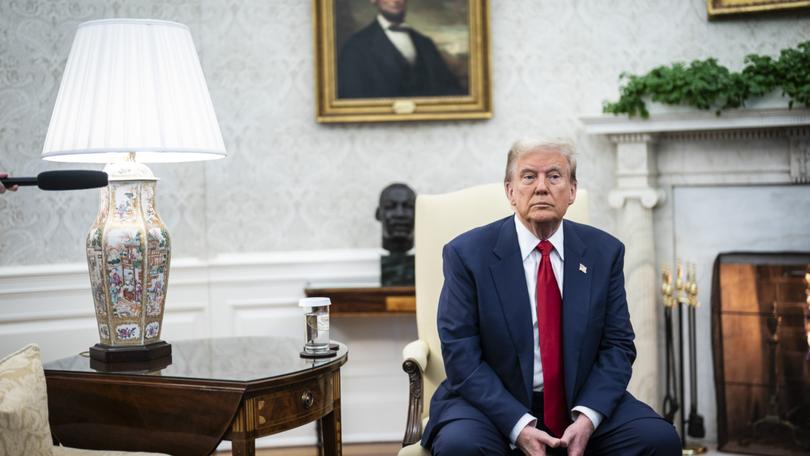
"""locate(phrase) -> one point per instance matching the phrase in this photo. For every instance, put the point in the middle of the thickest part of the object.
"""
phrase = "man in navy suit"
(535, 331)
(389, 59)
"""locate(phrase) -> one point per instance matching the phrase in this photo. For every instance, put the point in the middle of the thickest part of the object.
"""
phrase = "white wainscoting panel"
(278, 317)
(234, 295)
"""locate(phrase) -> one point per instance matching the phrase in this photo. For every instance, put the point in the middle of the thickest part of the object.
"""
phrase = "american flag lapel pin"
(583, 269)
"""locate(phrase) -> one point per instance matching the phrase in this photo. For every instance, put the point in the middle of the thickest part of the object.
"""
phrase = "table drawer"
(293, 405)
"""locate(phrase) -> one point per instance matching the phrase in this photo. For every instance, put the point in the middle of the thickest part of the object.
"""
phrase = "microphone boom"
(61, 180)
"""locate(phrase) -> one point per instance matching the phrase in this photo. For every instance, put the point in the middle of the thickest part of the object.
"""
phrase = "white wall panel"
(281, 319)
(185, 324)
(58, 338)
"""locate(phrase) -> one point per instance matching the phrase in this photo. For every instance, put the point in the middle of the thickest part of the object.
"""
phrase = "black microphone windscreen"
(71, 180)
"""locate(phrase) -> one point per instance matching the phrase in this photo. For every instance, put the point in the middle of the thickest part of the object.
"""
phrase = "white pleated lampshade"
(133, 85)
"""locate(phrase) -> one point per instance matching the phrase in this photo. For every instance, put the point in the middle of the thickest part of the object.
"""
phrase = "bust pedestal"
(396, 270)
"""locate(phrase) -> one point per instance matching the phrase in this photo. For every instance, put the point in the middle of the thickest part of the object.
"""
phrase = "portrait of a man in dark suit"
(387, 57)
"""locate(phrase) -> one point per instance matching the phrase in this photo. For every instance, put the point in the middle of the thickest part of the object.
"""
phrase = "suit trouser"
(478, 436)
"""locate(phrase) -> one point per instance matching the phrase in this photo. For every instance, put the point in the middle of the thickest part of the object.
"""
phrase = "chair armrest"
(415, 357)
(418, 351)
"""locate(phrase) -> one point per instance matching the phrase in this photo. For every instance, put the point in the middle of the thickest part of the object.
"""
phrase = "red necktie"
(549, 325)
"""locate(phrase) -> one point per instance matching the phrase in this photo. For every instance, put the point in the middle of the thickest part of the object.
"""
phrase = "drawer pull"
(307, 399)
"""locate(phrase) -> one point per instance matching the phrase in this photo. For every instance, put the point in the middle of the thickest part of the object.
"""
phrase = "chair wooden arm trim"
(413, 427)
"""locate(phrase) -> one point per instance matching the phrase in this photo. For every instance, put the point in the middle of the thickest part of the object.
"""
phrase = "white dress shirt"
(531, 261)
(400, 39)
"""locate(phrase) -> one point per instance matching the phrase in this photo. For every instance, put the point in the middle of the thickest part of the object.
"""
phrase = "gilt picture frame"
(432, 63)
(721, 8)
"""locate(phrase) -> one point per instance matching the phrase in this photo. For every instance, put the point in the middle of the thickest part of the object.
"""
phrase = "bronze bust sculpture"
(396, 212)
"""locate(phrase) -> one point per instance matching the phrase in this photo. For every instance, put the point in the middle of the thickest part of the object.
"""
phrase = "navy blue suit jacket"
(485, 327)
(370, 66)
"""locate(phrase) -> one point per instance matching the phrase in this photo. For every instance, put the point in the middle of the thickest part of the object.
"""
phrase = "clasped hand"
(533, 441)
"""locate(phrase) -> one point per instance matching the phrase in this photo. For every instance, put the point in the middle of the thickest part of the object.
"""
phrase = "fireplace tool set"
(670, 406)
(683, 294)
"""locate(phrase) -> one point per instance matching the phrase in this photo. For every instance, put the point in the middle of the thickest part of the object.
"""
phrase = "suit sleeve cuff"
(595, 417)
(525, 420)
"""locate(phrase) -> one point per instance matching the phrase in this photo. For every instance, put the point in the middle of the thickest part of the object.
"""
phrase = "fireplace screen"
(761, 332)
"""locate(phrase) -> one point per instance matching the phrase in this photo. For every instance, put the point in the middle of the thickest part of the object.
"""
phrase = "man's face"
(396, 212)
(393, 10)
(540, 188)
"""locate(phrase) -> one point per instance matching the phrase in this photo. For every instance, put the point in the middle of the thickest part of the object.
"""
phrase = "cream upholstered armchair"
(440, 218)
(24, 429)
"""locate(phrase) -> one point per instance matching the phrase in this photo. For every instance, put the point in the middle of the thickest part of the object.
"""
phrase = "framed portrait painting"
(401, 60)
(719, 8)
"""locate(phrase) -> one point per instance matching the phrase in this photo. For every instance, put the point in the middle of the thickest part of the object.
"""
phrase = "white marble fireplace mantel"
(696, 121)
(679, 153)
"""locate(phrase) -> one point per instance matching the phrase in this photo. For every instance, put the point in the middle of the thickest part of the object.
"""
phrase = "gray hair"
(524, 146)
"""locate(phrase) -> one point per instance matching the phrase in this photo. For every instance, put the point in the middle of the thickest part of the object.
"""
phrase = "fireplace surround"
(691, 185)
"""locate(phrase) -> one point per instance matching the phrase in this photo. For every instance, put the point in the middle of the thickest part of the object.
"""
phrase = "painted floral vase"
(128, 255)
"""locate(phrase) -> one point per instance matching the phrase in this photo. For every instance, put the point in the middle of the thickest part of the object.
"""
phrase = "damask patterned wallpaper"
(292, 184)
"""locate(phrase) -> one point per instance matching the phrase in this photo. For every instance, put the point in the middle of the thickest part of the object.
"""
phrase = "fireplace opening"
(761, 346)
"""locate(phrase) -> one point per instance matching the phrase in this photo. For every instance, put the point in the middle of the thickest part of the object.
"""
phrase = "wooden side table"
(368, 301)
(236, 389)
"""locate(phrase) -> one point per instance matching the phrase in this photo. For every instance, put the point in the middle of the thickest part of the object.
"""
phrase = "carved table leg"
(330, 424)
(243, 446)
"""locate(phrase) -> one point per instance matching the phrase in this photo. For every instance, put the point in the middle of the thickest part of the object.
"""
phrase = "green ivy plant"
(705, 84)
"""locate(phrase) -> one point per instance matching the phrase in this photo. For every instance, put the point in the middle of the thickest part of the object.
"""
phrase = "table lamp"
(133, 92)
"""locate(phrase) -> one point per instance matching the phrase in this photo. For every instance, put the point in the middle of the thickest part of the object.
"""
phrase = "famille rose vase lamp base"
(128, 256)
